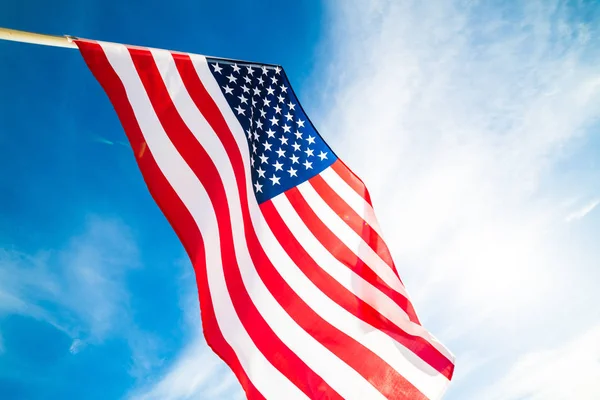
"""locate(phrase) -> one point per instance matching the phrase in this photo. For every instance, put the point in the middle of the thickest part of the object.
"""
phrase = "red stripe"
(342, 253)
(351, 179)
(339, 250)
(375, 370)
(354, 221)
(170, 204)
(278, 354)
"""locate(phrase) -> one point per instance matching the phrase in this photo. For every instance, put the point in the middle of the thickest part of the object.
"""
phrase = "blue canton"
(285, 148)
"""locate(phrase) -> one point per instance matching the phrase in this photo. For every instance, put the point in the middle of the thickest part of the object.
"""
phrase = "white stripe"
(425, 378)
(362, 250)
(268, 380)
(353, 199)
(333, 370)
(350, 238)
(212, 87)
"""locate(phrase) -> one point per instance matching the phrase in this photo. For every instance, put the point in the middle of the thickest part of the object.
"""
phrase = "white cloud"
(76, 346)
(583, 211)
(84, 279)
(79, 289)
(570, 371)
(197, 372)
(454, 115)
(459, 117)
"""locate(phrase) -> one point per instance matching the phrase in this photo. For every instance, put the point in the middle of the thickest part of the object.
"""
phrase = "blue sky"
(474, 126)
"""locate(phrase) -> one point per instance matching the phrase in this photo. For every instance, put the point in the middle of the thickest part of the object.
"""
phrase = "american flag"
(298, 292)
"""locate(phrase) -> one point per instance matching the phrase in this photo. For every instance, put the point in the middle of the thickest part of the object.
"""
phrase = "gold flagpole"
(37, 38)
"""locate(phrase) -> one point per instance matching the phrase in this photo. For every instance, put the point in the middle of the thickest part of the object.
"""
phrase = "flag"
(299, 295)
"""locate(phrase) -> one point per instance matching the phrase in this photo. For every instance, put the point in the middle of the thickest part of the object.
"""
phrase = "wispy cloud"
(75, 346)
(79, 289)
(84, 279)
(197, 372)
(459, 116)
(583, 211)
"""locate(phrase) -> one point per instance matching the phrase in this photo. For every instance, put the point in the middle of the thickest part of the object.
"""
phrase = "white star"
(280, 153)
(256, 91)
(292, 172)
(236, 68)
(283, 89)
(260, 80)
(232, 78)
(291, 106)
(254, 148)
(270, 90)
(248, 80)
(289, 116)
(217, 68)
(309, 152)
(258, 187)
(249, 132)
(240, 110)
(228, 90)
(274, 80)
(277, 109)
(252, 161)
(271, 133)
(281, 98)
(267, 146)
(277, 70)
(296, 146)
(250, 70)
(259, 124)
(264, 70)
(253, 102)
(298, 135)
(263, 113)
(307, 164)
(310, 139)
(266, 102)
(278, 166)
(323, 156)
(300, 123)
(294, 159)
(283, 140)
(246, 89)
(263, 159)
(274, 121)
(275, 180)
(286, 128)
(261, 172)
(243, 99)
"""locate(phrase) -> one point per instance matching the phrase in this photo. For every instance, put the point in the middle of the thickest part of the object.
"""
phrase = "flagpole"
(37, 38)
(68, 41)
